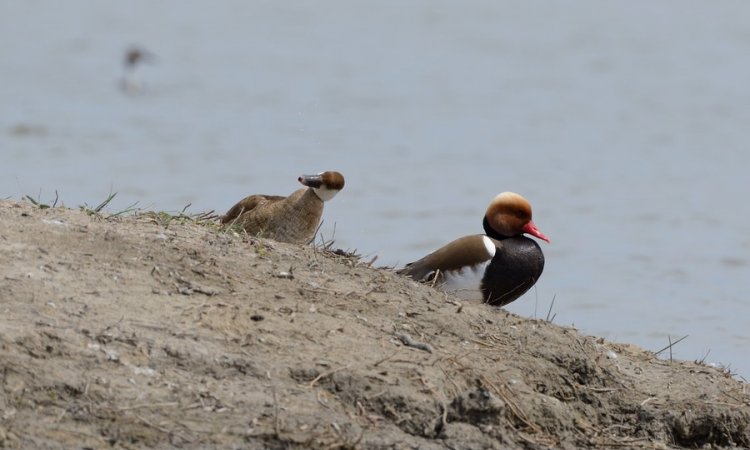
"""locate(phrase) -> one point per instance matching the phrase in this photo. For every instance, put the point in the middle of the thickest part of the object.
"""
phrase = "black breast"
(517, 264)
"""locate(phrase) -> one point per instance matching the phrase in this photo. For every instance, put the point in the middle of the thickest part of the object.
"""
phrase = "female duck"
(287, 219)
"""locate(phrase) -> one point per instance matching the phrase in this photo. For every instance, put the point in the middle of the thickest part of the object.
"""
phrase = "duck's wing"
(463, 252)
(249, 203)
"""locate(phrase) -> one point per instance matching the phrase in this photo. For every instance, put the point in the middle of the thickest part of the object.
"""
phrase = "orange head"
(325, 184)
(509, 215)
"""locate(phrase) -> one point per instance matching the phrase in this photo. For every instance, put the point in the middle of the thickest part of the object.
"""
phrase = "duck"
(292, 219)
(496, 267)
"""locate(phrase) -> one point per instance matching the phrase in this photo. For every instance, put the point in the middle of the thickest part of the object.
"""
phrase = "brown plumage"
(287, 219)
(497, 267)
(467, 251)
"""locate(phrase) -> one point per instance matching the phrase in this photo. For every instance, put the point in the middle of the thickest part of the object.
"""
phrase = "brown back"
(464, 251)
(248, 204)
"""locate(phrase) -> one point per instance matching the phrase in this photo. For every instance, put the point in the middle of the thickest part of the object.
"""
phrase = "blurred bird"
(134, 57)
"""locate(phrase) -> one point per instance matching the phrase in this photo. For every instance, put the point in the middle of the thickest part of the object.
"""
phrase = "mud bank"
(152, 331)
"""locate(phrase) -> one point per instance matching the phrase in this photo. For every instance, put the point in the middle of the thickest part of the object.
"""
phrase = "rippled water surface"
(625, 124)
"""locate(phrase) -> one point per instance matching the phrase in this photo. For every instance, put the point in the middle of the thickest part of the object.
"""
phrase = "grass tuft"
(326, 246)
(98, 209)
(38, 203)
(163, 218)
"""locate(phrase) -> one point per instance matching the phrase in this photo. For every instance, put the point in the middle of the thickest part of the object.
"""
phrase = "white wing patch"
(490, 246)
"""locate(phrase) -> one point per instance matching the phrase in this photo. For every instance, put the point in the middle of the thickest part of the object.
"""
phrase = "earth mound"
(159, 331)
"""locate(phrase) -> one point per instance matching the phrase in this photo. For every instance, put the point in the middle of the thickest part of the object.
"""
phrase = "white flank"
(465, 283)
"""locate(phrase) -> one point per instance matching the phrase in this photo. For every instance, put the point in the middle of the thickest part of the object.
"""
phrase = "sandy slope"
(148, 331)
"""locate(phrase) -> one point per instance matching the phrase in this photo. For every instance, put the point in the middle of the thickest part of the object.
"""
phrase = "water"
(624, 124)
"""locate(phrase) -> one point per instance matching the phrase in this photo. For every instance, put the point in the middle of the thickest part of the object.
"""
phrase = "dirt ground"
(154, 331)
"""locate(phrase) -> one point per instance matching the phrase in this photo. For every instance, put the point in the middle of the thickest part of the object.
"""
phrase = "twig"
(380, 361)
(205, 216)
(703, 359)
(444, 416)
(327, 374)
(733, 405)
(372, 261)
(671, 344)
(435, 278)
(110, 326)
(602, 389)
(230, 226)
(669, 338)
(148, 405)
(320, 401)
(454, 302)
(734, 397)
(345, 442)
(514, 408)
(550, 309)
(322, 239)
(407, 340)
(154, 426)
(449, 378)
(477, 341)
(276, 426)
